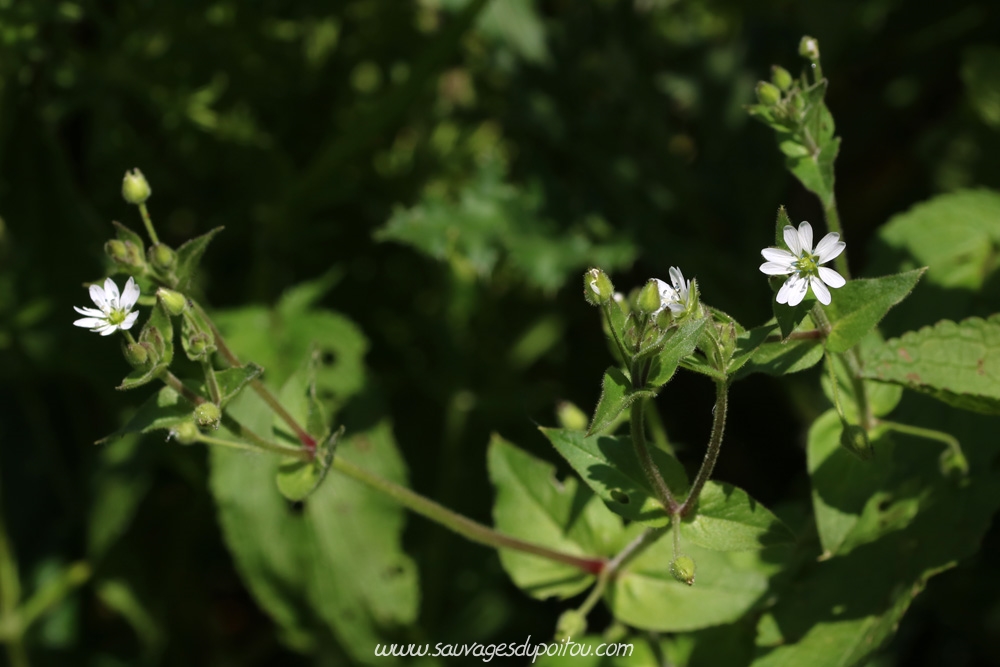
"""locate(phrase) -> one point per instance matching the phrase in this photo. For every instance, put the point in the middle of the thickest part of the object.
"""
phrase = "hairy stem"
(652, 473)
(148, 221)
(211, 382)
(260, 444)
(714, 445)
(175, 383)
(618, 341)
(464, 526)
(950, 441)
(613, 566)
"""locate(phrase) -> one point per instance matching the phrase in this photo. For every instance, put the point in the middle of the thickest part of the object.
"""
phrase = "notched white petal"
(792, 240)
(130, 320)
(779, 255)
(782, 296)
(830, 246)
(111, 293)
(97, 296)
(108, 330)
(831, 277)
(776, 269)
(90, 323)
(130, 295)
(806, 236)
(820, 290)
(797, 290)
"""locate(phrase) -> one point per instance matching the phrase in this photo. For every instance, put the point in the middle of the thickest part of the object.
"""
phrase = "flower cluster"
(676, 296)
(801, 263)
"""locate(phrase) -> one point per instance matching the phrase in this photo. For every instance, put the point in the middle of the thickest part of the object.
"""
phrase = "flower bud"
(173, 302)
(571, 622)
(162, 257)
(135, 188)
(781, 77)
(138, 355)
(208, 415)
(809, 48)
(855, 440)
(648, 300)
(767, 93)
(597, 287)
(185, 433)
(123, 252)
(682, 569)
(197, 344)
(570, 417)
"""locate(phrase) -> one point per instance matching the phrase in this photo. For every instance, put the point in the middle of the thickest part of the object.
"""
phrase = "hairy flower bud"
(173, 302)
(208, 415)
(682, 569)
(648, 301)
(571, 623)
(162, 257)
(597, 287)
(185, 433)
(135, 188)
(809, 48)
(767, 93)
(855, 440)
(138, 355)
(781, 77)
(571, 417)
(124, 252)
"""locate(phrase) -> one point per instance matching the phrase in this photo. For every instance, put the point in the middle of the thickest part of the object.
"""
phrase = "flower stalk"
(714, 446)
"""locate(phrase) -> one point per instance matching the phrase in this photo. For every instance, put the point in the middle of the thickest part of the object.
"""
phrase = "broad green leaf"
(727, 585)
(860, 305)
(298, 479)
(958, 363)
(609, 466)
(842, 483)
(232, 380)
(188, 256)
(747, 343)
(676, 347)
(616, 397)
(815, 170)
(163, 410)
(755, 354)
(727, 519)
(533, 505)
(330, 563)
(882, 397)
(915, 524)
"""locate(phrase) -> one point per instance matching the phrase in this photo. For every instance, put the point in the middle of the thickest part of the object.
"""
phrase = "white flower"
(802, 264)
(112, 312)
(675, 296)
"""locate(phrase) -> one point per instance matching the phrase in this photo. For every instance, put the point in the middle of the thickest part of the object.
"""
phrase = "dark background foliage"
(606, 132)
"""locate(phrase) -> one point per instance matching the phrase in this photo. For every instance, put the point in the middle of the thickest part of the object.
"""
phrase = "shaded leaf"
(860, 305)
(616, 397)
(189, 255)
(727, 519)
(958, 363)
(232, 380)
(678, 345)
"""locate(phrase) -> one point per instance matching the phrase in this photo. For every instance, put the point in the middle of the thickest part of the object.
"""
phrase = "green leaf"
(331, 563)
(298, 479)
(533, 505)
(125, 234)
(616, 397)
(860, 305)
(981, 75)
(783, 358)
(678, 345)
(958, 363)
(163, 410)
(727, 519)
(609, 466)
(232, 380)
(727, 585)
(189, 255)
(882, 397)
(842, 483)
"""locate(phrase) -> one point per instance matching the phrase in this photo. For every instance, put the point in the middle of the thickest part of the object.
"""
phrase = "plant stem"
(148, 221)
(211, 382)
(44, 600)
(261, 444)
(11, 628)
(950, 441)
(712, 453)
(811, 334)
(467, 528)
(611, 568)
(175, 383)
(272, 401)
(653, 475)
(833, 224)
(607, 316)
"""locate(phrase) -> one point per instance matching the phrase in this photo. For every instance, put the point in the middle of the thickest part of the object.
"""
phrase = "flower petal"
(792, 240)
(831, 277)
(130, 295)
(797, 290)
(98, 297)
(782, 296)
(820, 290)
(90, 323)
(830, 246)
(779, 255)
(130, 320)
(89, 312)
(806, 236)
(676, 307)
(776, 269)
(111, 293)
(677, 278)
(108, 330)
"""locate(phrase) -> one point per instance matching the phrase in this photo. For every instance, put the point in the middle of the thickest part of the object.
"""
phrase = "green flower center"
(116, 316)
(807, 264)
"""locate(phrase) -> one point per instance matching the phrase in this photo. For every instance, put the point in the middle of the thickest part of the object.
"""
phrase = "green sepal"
(125, 234)
(197, 337)
(188, 256)
(858, 306)
(297, 479)
(618, 322)
(232, 380)
(617, 395)
(678, 345)
(157, 336)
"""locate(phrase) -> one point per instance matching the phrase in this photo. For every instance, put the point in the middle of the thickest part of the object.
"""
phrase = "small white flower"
(802, 264)
(113, 309)
(675, 296)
